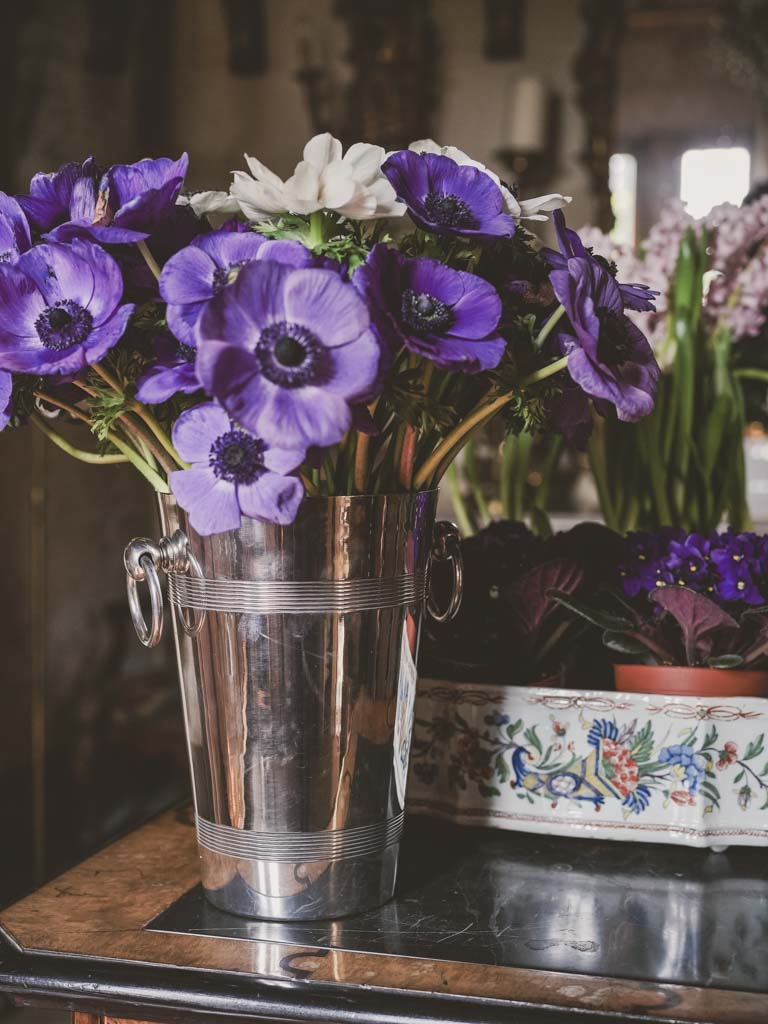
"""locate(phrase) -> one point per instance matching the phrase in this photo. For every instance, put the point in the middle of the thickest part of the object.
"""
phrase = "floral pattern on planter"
(552, 760)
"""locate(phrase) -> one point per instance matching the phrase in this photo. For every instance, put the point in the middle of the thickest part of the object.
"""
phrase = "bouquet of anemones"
(314, 342)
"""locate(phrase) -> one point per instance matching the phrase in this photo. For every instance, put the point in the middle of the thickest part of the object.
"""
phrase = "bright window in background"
(709, 177)
(622, 182)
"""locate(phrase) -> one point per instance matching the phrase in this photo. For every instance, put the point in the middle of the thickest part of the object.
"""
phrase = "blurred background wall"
(544, 91)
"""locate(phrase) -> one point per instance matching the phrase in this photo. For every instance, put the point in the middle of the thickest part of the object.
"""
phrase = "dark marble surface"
(622, 910)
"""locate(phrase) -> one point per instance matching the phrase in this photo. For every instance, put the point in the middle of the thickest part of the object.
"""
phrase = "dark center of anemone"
(288, 351)
(222, 276)
(291, 356)
(63, 325)
(186, 352)
(423, 313)
(614, 345)
(606, 264)
(448, 211)
(237, 457)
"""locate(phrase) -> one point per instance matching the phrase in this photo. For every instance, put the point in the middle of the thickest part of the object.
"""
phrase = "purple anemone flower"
(172, 373)
(608, 356)
(287, 352)
(124, 205)
(14, 230)
(6, 390)
(142, 195)
(232, 473)
(638, 297)
(445, 315)
(447, 197)
(60, 309)
(192, 277)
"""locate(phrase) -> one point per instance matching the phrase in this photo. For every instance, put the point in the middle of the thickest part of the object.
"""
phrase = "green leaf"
(514, 728)
(487, 791)
(623, 644)
(725, 661)
(502, 768)
(532, 738)
(606, 621)
(755, 747)
(739, 777)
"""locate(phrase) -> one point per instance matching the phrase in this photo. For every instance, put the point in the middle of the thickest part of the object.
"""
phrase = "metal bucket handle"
(144, 557)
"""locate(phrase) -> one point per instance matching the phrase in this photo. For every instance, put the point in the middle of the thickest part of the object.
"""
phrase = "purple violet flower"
(232, 473)
(6, 391)
(608, 356)
(445, 315)
(447, 197)
(124, 205)
(287, 352)
(14, 230)
(638, 297)
(172, 373)
(60, 309)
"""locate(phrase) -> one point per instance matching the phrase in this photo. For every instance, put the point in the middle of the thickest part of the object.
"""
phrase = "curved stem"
(91, 458)
(549, 326)
(406, 457)
(149, 474)
(453, 443)
(158, 432)
(130, 455)
(149, 259)
(146, 417)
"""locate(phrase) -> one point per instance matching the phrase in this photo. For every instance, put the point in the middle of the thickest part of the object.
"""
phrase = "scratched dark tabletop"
(487, 927)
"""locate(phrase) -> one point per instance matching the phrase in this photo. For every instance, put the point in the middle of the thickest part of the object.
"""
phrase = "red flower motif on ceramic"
(728, 755)
(683, 797)
(620, 767)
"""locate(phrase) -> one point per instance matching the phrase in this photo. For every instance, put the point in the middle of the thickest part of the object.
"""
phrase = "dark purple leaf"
(528, 597)
(697, 616)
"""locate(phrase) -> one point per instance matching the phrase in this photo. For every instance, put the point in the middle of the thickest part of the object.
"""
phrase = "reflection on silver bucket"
(296, 648)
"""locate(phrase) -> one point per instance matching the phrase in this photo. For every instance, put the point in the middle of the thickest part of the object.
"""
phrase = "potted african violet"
(509, 631)
(690, 616)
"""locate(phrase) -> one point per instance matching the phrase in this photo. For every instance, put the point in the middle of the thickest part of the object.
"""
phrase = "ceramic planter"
(683, 681)
(623, 766)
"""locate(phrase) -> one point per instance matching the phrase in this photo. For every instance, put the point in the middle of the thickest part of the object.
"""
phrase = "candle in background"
(526, 121)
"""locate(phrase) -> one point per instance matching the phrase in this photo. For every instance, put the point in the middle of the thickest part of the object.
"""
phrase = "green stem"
(549, 326)
(149, 259)
(149, 474)
(316, 234)
(454, 440)
(92, 458)
(752, 373)
(458, 502)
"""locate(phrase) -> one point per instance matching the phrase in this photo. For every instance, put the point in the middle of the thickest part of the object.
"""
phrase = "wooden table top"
(487, 927)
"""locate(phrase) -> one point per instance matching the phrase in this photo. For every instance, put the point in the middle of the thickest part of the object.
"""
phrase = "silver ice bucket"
(297, 653)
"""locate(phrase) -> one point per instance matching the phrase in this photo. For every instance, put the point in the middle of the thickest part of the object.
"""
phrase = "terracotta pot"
(682, 681)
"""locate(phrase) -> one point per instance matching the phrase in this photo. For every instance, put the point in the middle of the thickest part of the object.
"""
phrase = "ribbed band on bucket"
(300, 847)
(279, 597)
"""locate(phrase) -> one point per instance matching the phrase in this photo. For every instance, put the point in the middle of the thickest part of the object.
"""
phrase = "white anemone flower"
(526, 209)
(351, 185)
(205, 204)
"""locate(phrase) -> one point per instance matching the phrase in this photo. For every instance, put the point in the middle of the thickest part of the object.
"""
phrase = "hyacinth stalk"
(683, 465)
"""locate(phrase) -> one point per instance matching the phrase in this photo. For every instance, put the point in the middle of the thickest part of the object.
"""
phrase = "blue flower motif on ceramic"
(694, 765)
(602, 729)
(496, 718)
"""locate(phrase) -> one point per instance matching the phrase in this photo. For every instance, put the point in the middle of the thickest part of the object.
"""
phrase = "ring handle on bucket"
(446, 546)
(143, 557)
